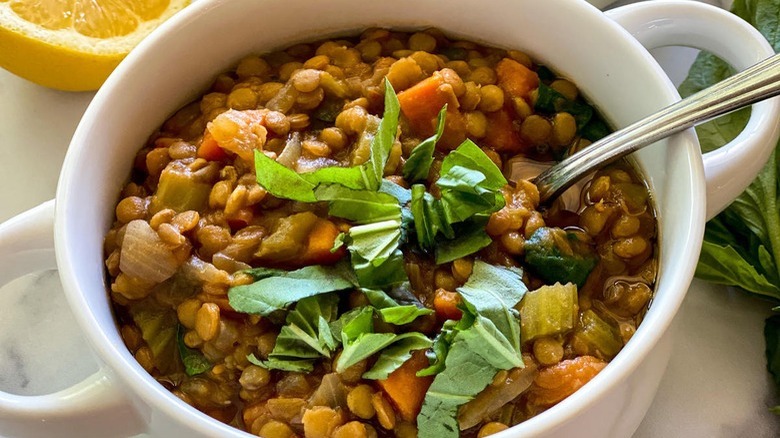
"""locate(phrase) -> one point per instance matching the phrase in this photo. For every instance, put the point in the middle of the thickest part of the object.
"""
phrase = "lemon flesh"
(75, 44)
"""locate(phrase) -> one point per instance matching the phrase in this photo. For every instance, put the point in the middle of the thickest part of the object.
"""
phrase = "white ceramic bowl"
(177, 62)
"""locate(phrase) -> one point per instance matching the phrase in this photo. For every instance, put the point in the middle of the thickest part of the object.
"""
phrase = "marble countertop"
(716, 384)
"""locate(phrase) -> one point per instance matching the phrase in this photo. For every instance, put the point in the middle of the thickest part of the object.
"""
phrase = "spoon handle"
(759, 82)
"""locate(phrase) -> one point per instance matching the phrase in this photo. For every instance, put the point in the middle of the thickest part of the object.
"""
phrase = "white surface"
(716, 384)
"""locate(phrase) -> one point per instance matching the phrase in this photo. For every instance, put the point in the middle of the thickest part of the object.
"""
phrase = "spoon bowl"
(759, 82)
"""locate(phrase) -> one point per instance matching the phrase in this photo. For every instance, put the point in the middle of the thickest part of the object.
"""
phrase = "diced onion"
(520, 168)
(331, 392)
(144, 255)
(291, 152)
(493, 397)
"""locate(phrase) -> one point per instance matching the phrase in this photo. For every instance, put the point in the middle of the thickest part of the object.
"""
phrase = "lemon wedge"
(75, 44)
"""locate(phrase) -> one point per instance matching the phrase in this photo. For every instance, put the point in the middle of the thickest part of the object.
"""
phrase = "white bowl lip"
(158, 398)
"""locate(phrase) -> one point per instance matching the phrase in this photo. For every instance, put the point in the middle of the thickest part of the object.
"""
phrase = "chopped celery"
(180, 191)
(548, 311)
(158, 324)
(557, 255)
(599, 335)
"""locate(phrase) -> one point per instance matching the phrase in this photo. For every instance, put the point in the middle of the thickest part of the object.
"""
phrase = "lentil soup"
(334, 235)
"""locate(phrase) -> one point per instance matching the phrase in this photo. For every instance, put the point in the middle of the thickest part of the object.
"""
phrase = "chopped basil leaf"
(396, 354)
(282, 181)
(484, 341)
(384, 138)
(470, 240)
(194, 361)
(276, 292)
(470, 156)
(401, 194)
(306, 337)
(418, 165)
(360, 206)
(392, 312)
(450, 390)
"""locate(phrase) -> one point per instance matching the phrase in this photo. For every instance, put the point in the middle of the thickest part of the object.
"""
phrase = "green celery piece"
(418, 165)
(392, 357)
(159, 326)
(194, 361)
(360, 206)
(180, 192)
(599, 334)
(277, 292)
(548, 311)
(553, 265)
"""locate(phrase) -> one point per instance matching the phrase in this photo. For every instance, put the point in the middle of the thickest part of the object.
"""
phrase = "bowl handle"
(92, 407)
(731, 168)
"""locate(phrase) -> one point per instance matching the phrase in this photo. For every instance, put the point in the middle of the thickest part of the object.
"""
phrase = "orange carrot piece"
(321, 239)
(501, 134)
(210, 150)
(445, 303)
(559, 381)
(404, 389)
(421, 104)
(516, 79)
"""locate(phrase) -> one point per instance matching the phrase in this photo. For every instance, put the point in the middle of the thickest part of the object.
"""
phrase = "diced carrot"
(445, 303)
(516, 79)
(209, 149)
(421, 104)
(405, 389)
(501, 133)
(319, 244)
(559, 381)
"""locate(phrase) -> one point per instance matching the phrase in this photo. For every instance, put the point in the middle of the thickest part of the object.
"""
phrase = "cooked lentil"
(312, 106)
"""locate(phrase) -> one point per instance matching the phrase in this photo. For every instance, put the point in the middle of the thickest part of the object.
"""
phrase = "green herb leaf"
(427, 219)
(550, 101)
(389, 273)
(468, 155)
(360, 206)
(401, 194)
(470, 239)
(396, 354)
(278, 289)
(306, 337)
(493, 291)
(349, 177)
(194, 361)
(384, 139)
(450, 390)
(365, 345)
(392, 312)
(282, 181)
(418, 165)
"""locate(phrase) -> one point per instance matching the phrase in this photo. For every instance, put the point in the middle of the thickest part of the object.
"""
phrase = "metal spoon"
(759, 82)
